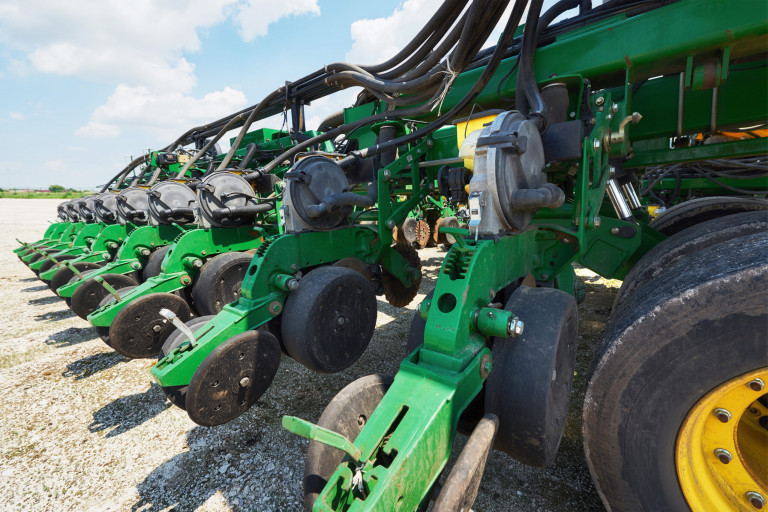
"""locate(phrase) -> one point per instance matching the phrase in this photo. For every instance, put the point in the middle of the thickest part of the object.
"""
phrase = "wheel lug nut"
(722, 415)
(756, 499)
(756, 385)
(723, 455)
(156, 328)
(245, 382)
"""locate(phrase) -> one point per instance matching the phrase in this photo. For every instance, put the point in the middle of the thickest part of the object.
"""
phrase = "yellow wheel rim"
(722, 448)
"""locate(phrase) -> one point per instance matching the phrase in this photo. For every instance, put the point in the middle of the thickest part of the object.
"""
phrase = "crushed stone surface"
(84, 429)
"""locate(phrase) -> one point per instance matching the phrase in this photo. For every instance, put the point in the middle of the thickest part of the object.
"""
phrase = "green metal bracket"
(322, 435)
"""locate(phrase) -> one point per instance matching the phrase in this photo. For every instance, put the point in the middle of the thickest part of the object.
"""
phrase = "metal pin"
(170, 315)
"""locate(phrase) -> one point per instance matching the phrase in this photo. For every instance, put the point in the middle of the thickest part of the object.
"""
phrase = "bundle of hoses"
(712, 170)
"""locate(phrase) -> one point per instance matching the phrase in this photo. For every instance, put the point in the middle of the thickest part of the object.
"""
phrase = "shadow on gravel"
(35, 288)
(55, 315)
(42, 301)
(28, 280)
(129, 411)
(96, 363)
(224, 461)
(71, 336)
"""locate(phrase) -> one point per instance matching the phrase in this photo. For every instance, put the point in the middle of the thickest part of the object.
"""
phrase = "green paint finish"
(133, 253)
(177, 269)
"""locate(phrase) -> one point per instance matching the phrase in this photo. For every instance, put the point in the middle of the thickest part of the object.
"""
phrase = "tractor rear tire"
(695, 211)
(695, 326)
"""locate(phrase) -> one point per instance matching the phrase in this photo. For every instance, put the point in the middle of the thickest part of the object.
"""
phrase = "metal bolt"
(361, 420)
(596, 144)
(245, 382)
(197, 263)
(723, 456)
(387, 173)
(615, 108)
(756, 385)
(722, 414)
(756, 499)
(340, 321)
(105, 256)
(599, 100)
(485, 365)
(156, 328)
(614, 231)
(112, 245)
(490, 314)
(515, 327)
(274, 307)
(294, 267)
(596, 222)
(203, 253)
(145, 252)
(135, 265)
(391, 224)
(292, 284)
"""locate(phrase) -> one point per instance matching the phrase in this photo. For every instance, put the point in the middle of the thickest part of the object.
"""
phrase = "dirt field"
(84, 429)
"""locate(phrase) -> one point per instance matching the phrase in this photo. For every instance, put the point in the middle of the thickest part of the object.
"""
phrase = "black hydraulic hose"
(481, 11)
(401, 101)
(330, 203)
(332, 121)
(477, 33)
(340, 130)
(208, 145)
(438, 53)
(490, 69)
(251, 117)
(553, 12)
(120, 177)
(242, 211)
(444, 11)
(250, 151)
(432, 49)
(352, 78)
(527, 97)
(547, 196)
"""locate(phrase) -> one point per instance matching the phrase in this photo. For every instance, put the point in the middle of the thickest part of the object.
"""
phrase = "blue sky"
(84, 86)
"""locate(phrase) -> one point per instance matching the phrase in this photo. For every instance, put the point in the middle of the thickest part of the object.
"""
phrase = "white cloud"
(164, 115)
(141, 42)
(255, 16)
(18, 116)
(376, 40)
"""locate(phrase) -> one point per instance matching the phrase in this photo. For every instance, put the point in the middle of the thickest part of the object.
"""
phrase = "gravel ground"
(82, 428)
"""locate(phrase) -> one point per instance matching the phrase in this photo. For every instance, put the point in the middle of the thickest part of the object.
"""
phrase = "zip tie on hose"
(357, 480)
(453, 74)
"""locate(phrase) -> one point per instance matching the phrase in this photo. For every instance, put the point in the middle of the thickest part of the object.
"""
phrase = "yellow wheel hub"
(722, 448)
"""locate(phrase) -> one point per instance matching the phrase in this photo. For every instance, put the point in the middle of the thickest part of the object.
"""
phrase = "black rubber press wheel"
(219, 282)
(154, 261)
(103, 332)
(328, 322)
(88, 295)
(529, 387)
(64, 274)
(139, 331)
(232, 378)
(48, 265)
